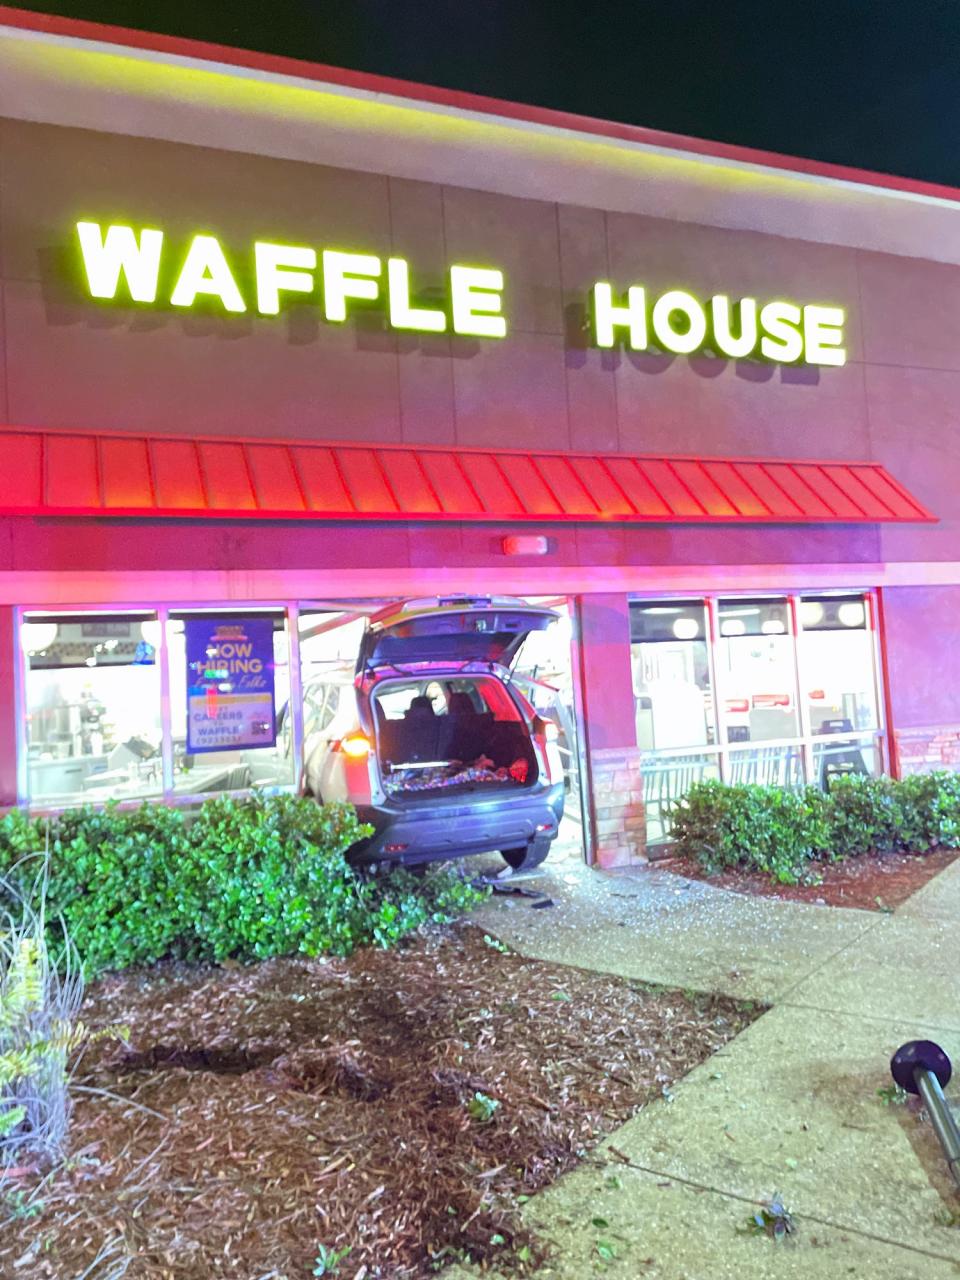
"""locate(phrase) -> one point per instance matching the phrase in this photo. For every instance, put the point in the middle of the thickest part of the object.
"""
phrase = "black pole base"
(919, 1055)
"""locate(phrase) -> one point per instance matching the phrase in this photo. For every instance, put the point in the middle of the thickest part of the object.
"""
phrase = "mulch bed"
(874, 882)
(301, 1103)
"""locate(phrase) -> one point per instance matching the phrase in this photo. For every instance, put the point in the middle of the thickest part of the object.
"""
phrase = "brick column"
(610, 730)
(928, 750)
(8, 725)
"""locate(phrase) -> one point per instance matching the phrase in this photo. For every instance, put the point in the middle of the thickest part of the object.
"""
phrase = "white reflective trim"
(20, 666)
(296, 691)
(166, 727)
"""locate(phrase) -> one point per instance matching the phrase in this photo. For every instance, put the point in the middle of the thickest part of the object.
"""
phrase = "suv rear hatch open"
(451, 631)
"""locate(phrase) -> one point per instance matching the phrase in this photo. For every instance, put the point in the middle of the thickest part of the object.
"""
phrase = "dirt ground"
(261, 1113)
(874, 882)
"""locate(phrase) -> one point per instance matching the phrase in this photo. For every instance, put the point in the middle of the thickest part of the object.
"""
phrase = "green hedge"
(241, 879)
(783, 832)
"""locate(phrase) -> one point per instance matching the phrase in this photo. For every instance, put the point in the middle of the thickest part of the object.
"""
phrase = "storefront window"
(739, 659)
(757, 672)
(837, 663)
(838, 670)
(671, 675)
(330, 646)
(674, 703)
(93, 707)
(229, 701)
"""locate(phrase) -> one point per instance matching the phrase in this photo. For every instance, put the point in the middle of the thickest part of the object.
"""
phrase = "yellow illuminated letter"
(782, 339)
(823, 335)
(476, 302)
(721, 314)
(206, 271)
(402, 315)
(671, 339)
(348, 275)
(608, 317)
(105, 257)
(282, 266)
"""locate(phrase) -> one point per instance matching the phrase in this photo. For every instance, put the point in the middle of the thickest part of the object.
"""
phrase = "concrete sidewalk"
(790, 1106)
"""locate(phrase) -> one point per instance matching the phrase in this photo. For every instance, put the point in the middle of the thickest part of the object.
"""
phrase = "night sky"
(871, 83)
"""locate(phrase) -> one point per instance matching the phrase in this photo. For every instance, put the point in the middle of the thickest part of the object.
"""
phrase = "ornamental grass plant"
(41, 1035)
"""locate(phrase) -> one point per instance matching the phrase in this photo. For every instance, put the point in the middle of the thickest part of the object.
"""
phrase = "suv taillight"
(545, 729)
(354, 745)
(545, 735)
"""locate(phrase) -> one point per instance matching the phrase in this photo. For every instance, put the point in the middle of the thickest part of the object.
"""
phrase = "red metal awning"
(58, 473)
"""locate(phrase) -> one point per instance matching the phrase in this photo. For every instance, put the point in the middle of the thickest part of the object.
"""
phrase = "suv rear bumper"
(425, 834)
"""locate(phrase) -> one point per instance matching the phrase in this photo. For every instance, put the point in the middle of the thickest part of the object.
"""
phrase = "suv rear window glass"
(395, 700)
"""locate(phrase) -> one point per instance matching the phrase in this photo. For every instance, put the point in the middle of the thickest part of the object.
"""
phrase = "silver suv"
(430, 739)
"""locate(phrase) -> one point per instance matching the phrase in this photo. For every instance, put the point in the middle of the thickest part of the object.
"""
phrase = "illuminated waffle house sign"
(140, 265)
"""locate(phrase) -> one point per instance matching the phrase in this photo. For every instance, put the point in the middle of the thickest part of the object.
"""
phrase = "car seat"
(461, 704)
(467, 729)
(413, 738)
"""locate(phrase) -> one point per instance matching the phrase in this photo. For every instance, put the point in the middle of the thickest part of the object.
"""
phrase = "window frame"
(163, 613)
(805, 739)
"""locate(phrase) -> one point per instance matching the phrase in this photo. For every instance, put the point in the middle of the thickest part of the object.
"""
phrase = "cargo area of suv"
(458, 737)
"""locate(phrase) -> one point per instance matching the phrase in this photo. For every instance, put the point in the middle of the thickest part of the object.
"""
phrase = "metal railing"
(790, 764)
